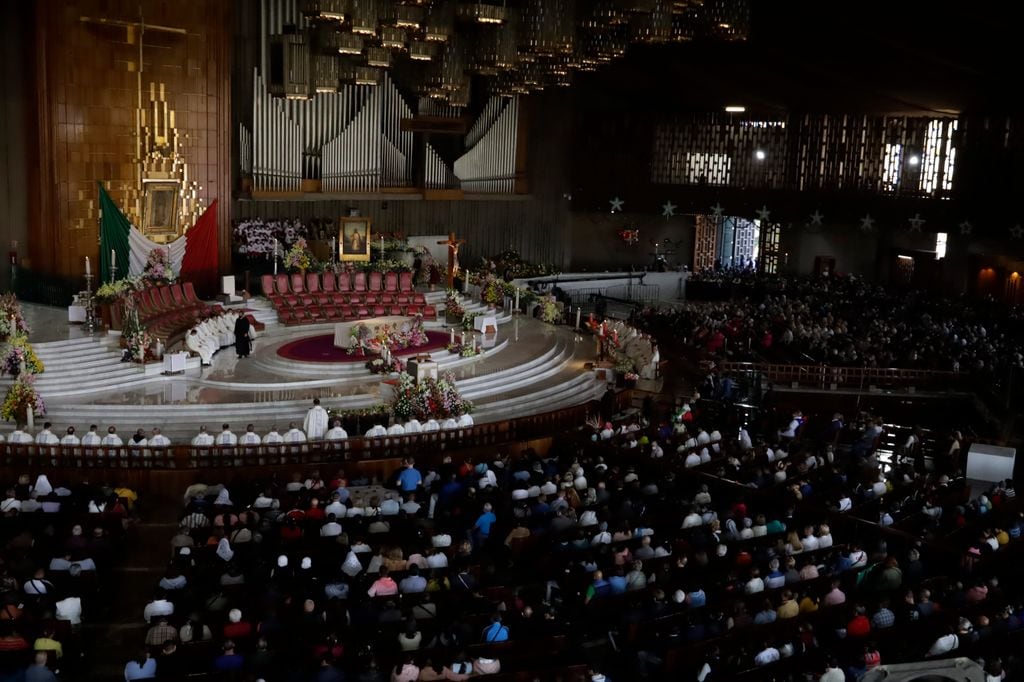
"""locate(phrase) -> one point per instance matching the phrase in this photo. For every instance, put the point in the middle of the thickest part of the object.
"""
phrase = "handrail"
(823, 376)
(185, 457)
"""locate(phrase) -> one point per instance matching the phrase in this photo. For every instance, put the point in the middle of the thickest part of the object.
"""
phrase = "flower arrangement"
(464, 350)
(492, 289)
(255, 237)
(453, 305)
(158, 268)
(19, 355)
(378, 366)
(12, 320)
(428, 399)
(363, 338)
(549, 311)
(467, 320)
(20, 398)
(388, 265)
(298, 257)
(429, 273)
(631, 376)
(630, 237)
(624, 365)
(512, 266)
(134, 336)
(112, 291)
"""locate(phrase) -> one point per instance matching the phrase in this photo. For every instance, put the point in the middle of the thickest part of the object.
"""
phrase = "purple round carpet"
(321, 349)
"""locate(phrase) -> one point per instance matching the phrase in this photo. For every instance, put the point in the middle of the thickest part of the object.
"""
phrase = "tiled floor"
(50, 324)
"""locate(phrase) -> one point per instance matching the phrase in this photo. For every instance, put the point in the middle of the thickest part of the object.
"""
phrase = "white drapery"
(141, 245)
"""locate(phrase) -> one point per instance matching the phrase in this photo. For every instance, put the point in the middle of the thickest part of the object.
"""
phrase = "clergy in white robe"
(19, 436)
(431, 425)
(273, 437)
(336, 433)
(159, 440)
(111, 440)
(315, 424)
(202, 439)
(194, 342)
(46, 436)
(70, 439)
(449, 424)
(413, 426)
(294, 435)
(396, 429)
(250, 437)
(465, 421)
(377, 431)
(226, 437)
(91, 439)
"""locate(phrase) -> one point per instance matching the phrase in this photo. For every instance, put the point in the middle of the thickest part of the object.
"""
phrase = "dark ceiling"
(831, 56)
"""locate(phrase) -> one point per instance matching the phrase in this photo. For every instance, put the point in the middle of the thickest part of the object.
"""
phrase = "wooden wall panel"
(86, 91)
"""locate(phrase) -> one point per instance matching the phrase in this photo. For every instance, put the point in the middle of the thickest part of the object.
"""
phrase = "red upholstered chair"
(168, 300)
(429, 312)
(312, 282)
(281, 284)
(378, 310)
(286, 316)
(329, 282)
(344, 281)
(394, 309)
(190, 293)
(359, 282)
(331, 312)
(176, 295)
(346, 312)
(403, 298)
(267, 284)
(387, 299)
(391, 282)
(315, 313)
(413, 309)
(297, 284)
(405, 281)
(419, 298)
(376, 281)
(291, 300)
(307, 301)
(371, 298)
(340, 299)
(325, 298)
(362, 310)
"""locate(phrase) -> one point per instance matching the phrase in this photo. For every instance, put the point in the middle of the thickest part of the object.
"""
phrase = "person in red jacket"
(859, 626)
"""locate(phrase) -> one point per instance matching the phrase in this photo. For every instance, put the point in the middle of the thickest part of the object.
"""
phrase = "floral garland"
(19, 354)
(378, 366)
(363, 338)
(549, 311)
(464, 350)
(21, 397)
(428, 398)
(298, 257)
(379, 412)
(255, 238)
(158, 268)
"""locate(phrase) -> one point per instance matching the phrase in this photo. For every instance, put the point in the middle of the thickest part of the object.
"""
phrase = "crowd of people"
(845, 320)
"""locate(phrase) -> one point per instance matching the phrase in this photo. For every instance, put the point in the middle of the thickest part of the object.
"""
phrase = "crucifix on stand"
(453, 245)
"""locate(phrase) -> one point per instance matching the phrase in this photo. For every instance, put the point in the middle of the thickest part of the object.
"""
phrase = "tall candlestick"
(517, 298)
(382, 246)
(88, 267)
(579, 311)
(275, 256)
(463, 342)
(451, 336)
(515, 326)
(30, 419)
(113, 258)
(334, 248)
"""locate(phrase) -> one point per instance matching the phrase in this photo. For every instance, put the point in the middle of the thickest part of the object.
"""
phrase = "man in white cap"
(315, 423)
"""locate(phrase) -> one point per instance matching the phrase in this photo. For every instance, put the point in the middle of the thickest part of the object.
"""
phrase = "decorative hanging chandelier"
(509, 47)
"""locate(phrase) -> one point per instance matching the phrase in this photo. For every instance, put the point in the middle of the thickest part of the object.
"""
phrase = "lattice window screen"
(705, 242)
(768, 260)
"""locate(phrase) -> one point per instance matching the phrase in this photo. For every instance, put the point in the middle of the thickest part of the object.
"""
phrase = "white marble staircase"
(84, 365)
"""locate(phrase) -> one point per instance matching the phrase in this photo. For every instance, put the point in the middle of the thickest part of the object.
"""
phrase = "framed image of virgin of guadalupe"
(353, 239)
(160, 209)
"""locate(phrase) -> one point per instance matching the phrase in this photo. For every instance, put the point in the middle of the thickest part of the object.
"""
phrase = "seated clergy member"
(91, 438)
(250, 437)
(159, 440)
(198, 345)
(336, 432)
(19, 436)
(294, 434)
(377, 431)
(111, 440)
(70, 438)
(202, 439)
(273, 437)
(226, 437)
(46, 437)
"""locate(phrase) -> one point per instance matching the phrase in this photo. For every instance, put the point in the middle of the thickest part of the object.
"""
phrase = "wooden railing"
(827, 376)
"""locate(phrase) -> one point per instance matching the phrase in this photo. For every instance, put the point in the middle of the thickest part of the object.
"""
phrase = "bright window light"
(940, 245)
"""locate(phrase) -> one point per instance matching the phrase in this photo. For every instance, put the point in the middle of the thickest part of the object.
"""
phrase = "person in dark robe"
(243, 344)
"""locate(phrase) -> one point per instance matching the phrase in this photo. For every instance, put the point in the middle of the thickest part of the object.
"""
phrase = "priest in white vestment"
(19, 436)
(159, 440)
(431, 425)
(273, 437)
(315, 424)
(336, 432)
(377, 431)
(202, 439)
(413, 426)
(70, 439)
(396, 429)
(194, 342)
(91, 439)
(46, 436)
(112, 440)
(465, 421)
(250, 437)
(294, 435)
(226, 437)
(449, 424)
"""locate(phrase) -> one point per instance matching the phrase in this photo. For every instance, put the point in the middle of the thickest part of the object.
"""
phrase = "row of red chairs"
(170, 310)
(319, 297)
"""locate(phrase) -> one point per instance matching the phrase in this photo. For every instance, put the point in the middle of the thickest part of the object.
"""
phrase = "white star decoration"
(965, 228)
(616, 204)
(1017, 232)
(764, 213)
(717, 209)
(668, 209)
(867, 223)
(916, 222)
(816, 218)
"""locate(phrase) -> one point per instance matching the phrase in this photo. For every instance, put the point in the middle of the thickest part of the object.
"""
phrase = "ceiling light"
(759, 155)
(735, 109)
(914, 160)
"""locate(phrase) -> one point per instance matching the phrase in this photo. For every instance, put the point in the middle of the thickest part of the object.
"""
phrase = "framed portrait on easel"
(354, 239)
